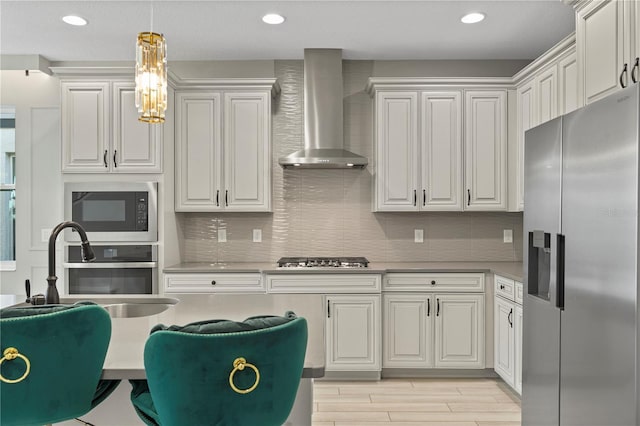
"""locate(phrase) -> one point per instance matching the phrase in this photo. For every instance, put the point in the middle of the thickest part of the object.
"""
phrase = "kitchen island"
(125, 354)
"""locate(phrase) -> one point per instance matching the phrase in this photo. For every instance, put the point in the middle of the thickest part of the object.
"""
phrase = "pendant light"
(151, 76)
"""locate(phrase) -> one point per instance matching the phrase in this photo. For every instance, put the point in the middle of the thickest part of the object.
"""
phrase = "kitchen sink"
(134, 310)
(128, 307)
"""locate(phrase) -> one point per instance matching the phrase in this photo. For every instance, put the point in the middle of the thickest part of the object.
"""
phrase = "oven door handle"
(110, 265)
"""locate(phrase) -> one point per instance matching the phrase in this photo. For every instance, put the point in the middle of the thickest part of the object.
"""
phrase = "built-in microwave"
(112, 211)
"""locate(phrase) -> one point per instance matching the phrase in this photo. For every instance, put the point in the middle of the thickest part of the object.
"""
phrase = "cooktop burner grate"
(323, 262)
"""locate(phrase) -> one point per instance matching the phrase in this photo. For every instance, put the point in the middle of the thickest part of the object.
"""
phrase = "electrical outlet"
(507, 236)
(418, 235)
(222, 235)
(257, 235)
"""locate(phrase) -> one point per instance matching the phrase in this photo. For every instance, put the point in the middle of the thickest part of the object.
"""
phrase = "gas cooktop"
(324, 262)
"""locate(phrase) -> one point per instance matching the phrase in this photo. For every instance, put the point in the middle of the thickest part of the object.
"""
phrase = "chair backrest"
(64, 348)
(189, 375)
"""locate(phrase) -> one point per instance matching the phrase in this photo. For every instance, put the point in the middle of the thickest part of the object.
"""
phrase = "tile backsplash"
(328, 212)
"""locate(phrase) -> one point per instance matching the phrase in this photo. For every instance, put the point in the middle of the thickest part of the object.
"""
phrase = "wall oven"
(113, 211)
(118, 269)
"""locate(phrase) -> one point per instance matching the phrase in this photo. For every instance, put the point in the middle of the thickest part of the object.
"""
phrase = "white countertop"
(511, 270)
(125, 356)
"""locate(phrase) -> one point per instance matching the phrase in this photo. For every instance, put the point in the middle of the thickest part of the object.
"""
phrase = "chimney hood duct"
(323, 140)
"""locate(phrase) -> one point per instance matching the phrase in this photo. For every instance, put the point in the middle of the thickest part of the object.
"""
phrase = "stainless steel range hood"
(323, 140)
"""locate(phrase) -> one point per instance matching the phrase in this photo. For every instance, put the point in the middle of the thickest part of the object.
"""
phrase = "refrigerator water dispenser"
(539, 264)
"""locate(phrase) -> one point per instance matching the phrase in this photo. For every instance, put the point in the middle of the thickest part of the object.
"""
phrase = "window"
(7, 189)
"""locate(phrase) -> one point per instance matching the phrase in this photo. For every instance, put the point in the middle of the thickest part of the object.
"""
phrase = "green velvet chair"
(222, 372)
(52, 359)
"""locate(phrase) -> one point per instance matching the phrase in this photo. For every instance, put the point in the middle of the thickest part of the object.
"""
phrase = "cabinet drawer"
(447, 282)
(323, 283)
(519, 293)
(504, 287)
(214, 283)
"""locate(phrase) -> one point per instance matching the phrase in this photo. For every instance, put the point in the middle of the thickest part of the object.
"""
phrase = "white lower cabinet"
(459, 336)
(425, 326)
(352, 333)
(507, 321)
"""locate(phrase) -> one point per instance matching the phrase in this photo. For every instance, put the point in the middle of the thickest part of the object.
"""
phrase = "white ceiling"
(227, 30)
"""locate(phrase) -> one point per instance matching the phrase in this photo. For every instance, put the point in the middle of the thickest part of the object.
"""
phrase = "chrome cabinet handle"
(634, 71)
(104, 158)
(115, 163)
(624, 83)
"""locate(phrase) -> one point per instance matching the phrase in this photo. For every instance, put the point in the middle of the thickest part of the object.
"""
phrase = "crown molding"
(411, 83)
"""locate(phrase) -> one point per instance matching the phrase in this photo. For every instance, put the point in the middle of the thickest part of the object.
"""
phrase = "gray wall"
(328, 212)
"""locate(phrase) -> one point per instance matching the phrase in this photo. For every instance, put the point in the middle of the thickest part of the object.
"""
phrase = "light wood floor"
(413, 402)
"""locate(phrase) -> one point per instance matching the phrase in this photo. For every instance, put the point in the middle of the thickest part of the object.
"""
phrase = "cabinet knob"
(213, 282)
(433, 282)
(501, 287)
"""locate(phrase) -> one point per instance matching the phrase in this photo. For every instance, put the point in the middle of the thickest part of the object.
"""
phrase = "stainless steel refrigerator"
(581, 320)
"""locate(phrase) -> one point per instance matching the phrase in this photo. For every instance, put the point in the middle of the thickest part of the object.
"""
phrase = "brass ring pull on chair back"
(238, 365)
(10, 354)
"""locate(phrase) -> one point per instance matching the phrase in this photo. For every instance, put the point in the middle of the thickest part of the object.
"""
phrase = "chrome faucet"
(52, 296)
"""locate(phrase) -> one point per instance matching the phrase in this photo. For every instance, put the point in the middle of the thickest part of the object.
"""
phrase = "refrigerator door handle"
(560, 271)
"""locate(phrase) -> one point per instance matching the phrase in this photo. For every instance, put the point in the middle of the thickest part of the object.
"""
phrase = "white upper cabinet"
(85, 126)
(547, 94)
(223, 150)
(546, 89)
(431, 144)
(198, 152)
(485, 150)
(246, 150)
(137, 146)
(600, 34)
(396, 151)
(101, 132)
(526, 119)
(569, 95)
(441, 151)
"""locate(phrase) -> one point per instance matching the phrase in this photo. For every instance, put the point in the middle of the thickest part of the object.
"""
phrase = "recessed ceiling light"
(273, 19)
(472, 18)
(74, 20)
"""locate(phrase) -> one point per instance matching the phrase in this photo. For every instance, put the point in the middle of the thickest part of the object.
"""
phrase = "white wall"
(38, 183)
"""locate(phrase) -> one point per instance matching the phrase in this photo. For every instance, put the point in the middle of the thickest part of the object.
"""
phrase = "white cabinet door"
(407, 331)
(441, 147)
(353, 333)
(599, 38)
(396, 151)
(486, 150)
(137, 146)
(526, 119)
(569, 95)
(504, 340)
(247, 154)
(85, 127)
(459, 331)
(517, 326)
(547, 94)
(198, 152)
